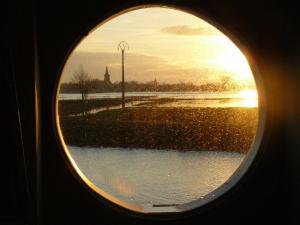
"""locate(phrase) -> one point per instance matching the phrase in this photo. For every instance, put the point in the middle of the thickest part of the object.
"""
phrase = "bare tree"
(83, 82)
(227, 83)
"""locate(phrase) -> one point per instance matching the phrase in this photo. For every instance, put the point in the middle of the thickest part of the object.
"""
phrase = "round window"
(158, 110)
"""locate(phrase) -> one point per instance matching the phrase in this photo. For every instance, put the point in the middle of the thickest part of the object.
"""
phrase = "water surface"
(155, 177)
(185, 94)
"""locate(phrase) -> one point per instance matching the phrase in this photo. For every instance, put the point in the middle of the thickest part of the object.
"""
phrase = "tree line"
(83, 83)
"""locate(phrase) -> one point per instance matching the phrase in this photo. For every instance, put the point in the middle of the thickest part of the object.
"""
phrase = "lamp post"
(123, 46)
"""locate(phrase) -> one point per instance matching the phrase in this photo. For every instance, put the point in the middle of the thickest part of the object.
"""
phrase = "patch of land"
(185, 129)
(75, 107)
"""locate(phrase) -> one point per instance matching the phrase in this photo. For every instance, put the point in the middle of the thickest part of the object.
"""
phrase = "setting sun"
(234, 62)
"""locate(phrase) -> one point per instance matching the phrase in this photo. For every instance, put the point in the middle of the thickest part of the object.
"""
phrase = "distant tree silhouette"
(82, 80)
(82, 83)
(227, 83)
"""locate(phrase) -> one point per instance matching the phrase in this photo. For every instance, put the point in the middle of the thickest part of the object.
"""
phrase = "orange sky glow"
(165, 44)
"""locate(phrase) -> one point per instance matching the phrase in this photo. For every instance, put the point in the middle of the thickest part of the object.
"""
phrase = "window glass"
(157, 108)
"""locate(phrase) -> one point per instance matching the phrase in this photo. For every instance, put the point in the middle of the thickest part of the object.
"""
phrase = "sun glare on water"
(250, 98)
(248, 94)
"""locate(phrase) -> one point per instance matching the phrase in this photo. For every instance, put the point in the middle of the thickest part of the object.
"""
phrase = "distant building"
(107, 77)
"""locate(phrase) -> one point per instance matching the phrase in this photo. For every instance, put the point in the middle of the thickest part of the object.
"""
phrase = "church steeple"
(107, 76)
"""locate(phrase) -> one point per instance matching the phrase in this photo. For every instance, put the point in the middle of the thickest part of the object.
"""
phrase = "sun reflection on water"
(250, 98)
(121, 186)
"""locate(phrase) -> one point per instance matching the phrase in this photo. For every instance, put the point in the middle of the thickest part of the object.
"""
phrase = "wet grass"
(185, 129)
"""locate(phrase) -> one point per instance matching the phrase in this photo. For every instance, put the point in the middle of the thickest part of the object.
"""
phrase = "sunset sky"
(166, 44)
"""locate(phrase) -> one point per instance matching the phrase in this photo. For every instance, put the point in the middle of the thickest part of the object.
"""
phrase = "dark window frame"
(237, 176)
(269, 193)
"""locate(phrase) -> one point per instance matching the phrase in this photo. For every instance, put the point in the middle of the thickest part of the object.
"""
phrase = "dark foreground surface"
(222, 129)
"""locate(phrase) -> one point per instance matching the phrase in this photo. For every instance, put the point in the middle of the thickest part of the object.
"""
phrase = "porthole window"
(158, 111)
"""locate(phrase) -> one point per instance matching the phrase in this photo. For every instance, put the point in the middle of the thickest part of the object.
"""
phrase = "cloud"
(190, 31)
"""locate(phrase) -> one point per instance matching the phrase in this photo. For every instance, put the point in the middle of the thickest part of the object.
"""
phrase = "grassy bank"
(228, 129)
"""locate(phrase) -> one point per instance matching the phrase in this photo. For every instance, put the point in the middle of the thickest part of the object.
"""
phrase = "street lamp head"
(123, 46)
